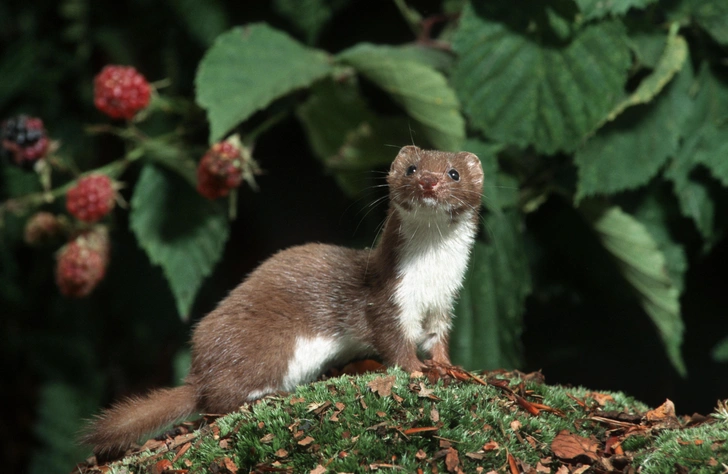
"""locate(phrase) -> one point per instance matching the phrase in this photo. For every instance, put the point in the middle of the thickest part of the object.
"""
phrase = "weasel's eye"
(453, 173)
(411, 170)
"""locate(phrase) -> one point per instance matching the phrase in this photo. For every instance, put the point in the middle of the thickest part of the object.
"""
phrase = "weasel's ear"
(409, 150)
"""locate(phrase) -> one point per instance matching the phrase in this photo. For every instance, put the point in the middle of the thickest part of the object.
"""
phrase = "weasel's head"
(441, 181)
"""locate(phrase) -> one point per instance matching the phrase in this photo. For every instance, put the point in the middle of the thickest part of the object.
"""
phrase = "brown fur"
(244, 346)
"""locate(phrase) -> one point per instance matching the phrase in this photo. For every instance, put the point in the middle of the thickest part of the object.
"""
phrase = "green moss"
(308, 428)
(701, 450)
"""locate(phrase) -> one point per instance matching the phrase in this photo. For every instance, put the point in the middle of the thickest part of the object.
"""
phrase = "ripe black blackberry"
(24, 140)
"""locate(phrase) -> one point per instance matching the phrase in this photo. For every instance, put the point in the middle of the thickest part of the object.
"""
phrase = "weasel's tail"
(116, 429)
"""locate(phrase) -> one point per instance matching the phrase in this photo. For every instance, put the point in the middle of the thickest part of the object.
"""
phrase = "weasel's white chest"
(431, 267)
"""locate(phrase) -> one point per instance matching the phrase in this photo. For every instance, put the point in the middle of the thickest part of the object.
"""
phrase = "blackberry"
(24, 140)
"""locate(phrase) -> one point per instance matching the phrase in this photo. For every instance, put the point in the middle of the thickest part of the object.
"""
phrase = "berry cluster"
(81, 264)
(220, 170)
(121, 91)
(24, 139)
(92, 198)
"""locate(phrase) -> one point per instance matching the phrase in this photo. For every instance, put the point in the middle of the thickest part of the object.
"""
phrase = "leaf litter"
(603, 437)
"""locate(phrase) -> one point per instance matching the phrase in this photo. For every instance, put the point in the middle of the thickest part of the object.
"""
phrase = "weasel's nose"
(428, 183)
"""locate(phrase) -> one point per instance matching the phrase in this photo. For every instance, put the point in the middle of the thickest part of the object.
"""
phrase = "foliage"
(612, 115)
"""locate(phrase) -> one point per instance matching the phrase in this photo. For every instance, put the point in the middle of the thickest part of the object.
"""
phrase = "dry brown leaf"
(541, 468)
(267, 438)
(434, 414)
(306, 441)
(381, 414)
(515, 425)
(666, 410)
(281, 453)
(420, 455)
(382, 385)
(601, 398)
(452, 460)
(181, 451)
(513, 465)
(229, 465)
(562, 470)
(163, 465)
(420, 429)
(570, 446)
(295, 400)
(319, 469)
(490, 446)
(477, 456)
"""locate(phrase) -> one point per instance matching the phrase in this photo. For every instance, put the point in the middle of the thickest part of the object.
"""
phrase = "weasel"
(315, 306)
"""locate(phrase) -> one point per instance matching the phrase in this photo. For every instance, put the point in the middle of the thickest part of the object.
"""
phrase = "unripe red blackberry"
(24, 139)
(121, 91)
(81, 264)
(220, 170)
(43, 227)
(91, 198)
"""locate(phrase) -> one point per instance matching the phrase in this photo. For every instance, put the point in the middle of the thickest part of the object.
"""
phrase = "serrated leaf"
(489, 313)
(713, 152)
(348, 137)
(706, 143)
(671, 62)
(422, 91)
(692, 194)
(630, 151)
(180, 231)
(309, 16)
(520, 90)
(249, 67)
(595, 9)
(654, 212)
(644, 266)
(498, 191)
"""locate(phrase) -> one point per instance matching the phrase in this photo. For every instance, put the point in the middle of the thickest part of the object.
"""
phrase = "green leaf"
(630, 151)
(309, 16)
(648, 46)
(421, 90)
(692, 194)
(62, 409)
(713, 152)
(671, 62)
(204, 20)
(173, 157)
(347, 136)
(499, 191)
(712, 16)
(706, 143)
(520, 89)
(17, 182)
(644, 265)
(655, 212)
(249, 67)
(595, 9)
(720, 351)
(180, 231)
(489, 314)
